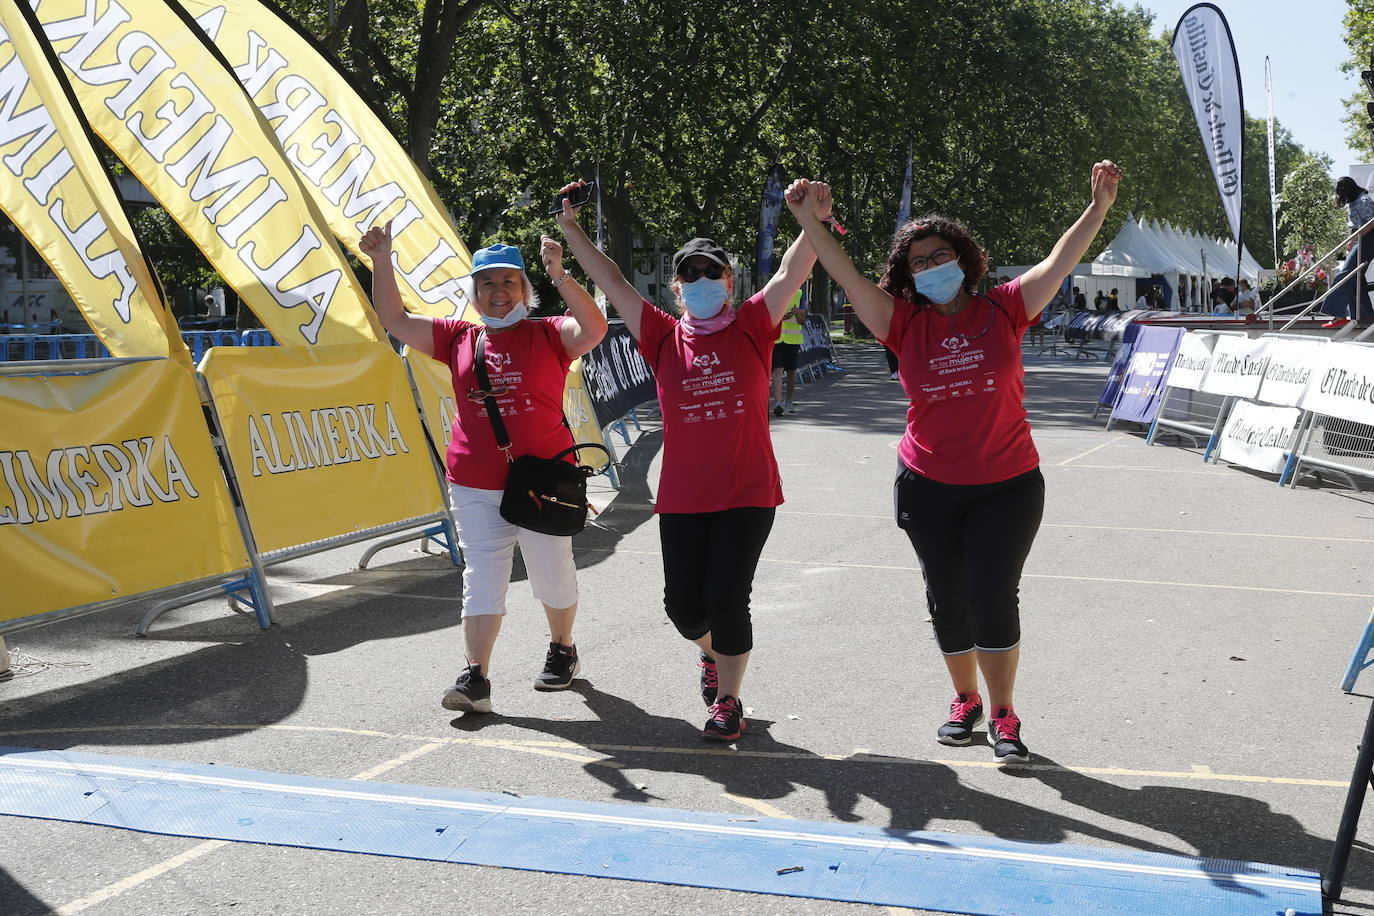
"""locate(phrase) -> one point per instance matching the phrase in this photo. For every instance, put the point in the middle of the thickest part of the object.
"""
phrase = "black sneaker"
(709, 682)
(470, 693)
(965, 714)
(777, 410)
(1004, 731)
(560, 667)
(725, 721)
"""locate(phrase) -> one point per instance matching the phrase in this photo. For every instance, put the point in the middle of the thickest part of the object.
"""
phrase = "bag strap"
(479, 366)
(581, 445)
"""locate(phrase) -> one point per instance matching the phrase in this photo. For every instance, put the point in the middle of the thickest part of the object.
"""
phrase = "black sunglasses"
(689, 274)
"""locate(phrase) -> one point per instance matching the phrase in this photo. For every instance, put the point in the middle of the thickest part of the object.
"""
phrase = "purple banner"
(1120, 364)
(1142, 385)
(769, 211)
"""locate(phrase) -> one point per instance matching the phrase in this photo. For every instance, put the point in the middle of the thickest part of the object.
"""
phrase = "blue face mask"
(940, 284)
(517, 314)
(703, 298)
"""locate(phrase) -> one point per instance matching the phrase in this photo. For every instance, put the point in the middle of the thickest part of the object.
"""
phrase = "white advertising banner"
(1211, 76)
(1238, 365)
(1192, 362)
(1289, 370)
(1342, 383)
(1257, 437)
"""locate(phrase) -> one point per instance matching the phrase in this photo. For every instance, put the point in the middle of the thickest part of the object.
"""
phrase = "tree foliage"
(682, 105)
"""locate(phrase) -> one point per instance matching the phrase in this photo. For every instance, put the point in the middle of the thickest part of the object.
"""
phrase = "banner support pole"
(1334, 879)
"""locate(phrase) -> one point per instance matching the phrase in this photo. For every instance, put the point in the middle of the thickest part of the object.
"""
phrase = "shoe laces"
(963, 706)
(708, 672)
(724, 708)
(557, 651)
(1008, 727)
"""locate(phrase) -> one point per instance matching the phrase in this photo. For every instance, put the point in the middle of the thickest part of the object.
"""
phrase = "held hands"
(809, 198)
(1106, 178)
(376, 243)
(551, 253)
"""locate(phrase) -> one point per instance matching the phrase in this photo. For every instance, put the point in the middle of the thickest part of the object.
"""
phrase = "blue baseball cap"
(497, 256)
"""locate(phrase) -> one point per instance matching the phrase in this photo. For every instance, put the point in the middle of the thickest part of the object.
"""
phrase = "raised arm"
(792, 273)
(416, 331)
(601, 269)
(1039, 284)
(585, 325)
(809, 202)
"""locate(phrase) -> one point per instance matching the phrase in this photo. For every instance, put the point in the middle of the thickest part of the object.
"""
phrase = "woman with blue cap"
(527, 363)
(719, 488)
(969, 493)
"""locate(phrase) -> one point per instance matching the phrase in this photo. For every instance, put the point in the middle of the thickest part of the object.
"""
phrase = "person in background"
(527, 364)
(969, 493)
(1359, 209)
(1099, 301)
(1079, 300)
(1247, 300)
(1113, 305)
(785, 351)
(719, 486)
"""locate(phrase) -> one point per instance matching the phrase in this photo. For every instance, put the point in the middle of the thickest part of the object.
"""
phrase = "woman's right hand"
(376, 243)
(569, 215)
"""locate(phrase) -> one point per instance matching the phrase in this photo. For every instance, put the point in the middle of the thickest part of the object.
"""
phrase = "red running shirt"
(967, 420)
(530, 361)
(713, 390)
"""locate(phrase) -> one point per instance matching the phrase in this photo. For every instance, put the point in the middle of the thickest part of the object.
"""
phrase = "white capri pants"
(488, 543)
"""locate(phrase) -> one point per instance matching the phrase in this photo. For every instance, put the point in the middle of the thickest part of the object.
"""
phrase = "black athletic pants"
(709, 559)
(972, 541)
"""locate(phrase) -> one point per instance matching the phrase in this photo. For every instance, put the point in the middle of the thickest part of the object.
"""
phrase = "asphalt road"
(1186, 628)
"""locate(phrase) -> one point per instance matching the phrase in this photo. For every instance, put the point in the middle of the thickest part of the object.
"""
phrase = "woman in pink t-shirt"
(527, 364)
(969, 493)
(719, 488)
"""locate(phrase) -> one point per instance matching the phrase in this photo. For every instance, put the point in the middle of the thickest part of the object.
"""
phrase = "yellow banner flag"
(109, 487)
(324, 442)
(346, 157)
(59, 195)
(158, 95)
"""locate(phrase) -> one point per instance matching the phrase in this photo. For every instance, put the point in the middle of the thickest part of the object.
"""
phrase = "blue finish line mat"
(905, 868)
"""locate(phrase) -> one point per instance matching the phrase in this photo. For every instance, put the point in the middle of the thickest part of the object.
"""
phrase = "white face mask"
(517, 314)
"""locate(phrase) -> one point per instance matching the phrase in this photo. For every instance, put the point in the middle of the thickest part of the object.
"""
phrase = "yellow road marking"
(148, 874)
(394, 762)
(1091, 450)
(1198, 531)
(812, 564)
(569, 746)
(762, 807)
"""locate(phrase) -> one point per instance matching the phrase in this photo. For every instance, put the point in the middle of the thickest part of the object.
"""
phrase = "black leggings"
(972, 541)
(709, 560)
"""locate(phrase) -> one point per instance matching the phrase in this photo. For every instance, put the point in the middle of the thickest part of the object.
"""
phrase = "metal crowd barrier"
(30, 347)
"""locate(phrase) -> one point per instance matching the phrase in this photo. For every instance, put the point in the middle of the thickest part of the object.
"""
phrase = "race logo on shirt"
(498, 361)
(705, 361)
(955, 343)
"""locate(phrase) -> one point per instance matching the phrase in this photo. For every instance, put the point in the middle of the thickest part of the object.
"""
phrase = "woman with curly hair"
(969, 493)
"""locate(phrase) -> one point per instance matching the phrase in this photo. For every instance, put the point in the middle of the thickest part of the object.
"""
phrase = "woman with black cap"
(719, 488)
(527, 363)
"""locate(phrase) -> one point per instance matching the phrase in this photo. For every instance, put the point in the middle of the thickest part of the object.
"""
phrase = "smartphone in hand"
(577, 197)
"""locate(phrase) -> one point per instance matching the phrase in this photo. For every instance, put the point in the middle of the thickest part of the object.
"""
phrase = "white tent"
(1187, 261)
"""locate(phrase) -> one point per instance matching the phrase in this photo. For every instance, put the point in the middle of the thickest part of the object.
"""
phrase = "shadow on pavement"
(17, 901)
(921, 795)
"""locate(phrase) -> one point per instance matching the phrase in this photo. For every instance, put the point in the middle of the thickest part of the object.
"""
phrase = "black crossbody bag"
(547, 495)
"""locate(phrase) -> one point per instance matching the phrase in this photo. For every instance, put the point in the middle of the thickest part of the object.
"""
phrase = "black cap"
(704, 247)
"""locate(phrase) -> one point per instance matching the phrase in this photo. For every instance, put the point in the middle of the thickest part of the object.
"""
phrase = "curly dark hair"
(973, 259)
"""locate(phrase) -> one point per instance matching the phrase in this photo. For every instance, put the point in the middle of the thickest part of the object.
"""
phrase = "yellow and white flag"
(357, 172)
(175, 114)
(58, 194)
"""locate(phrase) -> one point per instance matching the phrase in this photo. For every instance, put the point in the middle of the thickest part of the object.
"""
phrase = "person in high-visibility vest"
(785, 351)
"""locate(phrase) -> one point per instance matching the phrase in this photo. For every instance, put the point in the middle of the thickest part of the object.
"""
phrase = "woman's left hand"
(551, 253)
(1106, 178)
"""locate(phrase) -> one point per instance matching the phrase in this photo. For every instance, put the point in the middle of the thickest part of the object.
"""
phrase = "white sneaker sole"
(577, 669)
(950, 741)
(459, 702)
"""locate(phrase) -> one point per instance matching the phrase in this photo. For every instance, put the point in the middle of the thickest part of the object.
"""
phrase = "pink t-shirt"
(529, 359)
(967, 420)
(713, 390)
